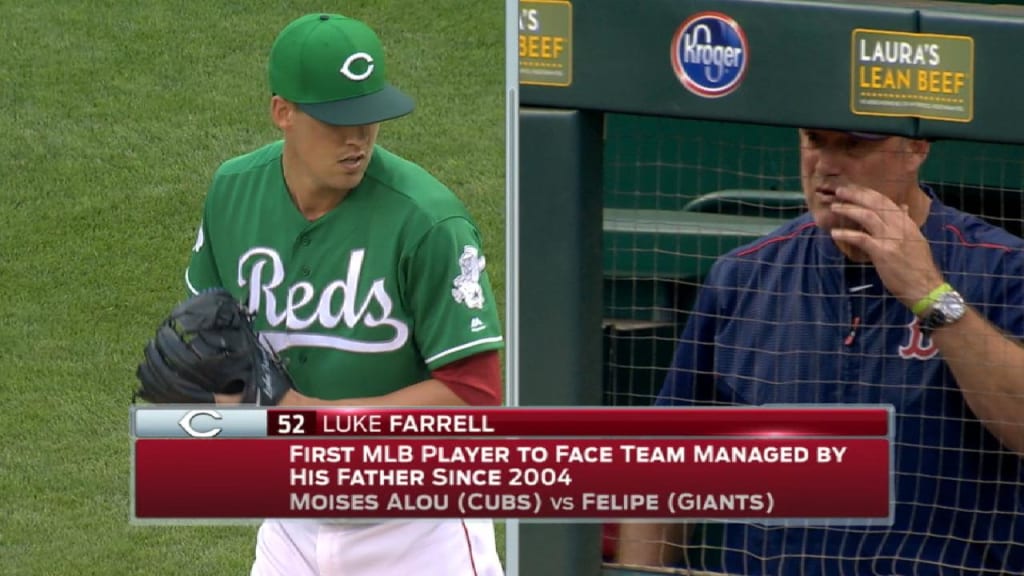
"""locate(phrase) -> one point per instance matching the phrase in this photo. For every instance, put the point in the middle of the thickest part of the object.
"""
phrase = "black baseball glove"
(208, 346)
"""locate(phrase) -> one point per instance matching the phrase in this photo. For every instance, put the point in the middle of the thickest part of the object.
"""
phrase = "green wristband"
(927, 302)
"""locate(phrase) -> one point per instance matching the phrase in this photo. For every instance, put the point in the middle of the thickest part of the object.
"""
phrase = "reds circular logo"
(709, 54)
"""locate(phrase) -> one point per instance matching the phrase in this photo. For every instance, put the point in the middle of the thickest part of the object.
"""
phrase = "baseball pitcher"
(365, 278)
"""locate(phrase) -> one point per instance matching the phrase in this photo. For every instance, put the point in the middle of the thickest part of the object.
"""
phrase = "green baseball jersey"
(365, 300)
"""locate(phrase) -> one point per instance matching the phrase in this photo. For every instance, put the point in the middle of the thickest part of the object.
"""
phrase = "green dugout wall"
(599, 69)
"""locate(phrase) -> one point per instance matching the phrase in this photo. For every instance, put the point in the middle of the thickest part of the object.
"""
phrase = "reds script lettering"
(324, 313)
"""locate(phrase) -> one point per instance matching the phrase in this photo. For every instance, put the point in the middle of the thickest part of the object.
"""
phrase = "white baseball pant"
(423, 548)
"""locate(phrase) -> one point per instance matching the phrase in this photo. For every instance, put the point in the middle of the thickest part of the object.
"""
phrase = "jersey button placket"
(306, 271)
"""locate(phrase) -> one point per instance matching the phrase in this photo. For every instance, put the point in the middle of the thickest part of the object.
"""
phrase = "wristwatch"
(947, 309)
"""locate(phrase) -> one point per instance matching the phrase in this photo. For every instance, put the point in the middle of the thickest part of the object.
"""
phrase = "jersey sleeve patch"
(466, 286)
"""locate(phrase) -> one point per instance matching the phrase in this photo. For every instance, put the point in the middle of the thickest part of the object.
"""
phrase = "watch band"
(928, 301)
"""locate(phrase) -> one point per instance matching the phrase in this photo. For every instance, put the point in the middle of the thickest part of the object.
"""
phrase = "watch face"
(951, 305)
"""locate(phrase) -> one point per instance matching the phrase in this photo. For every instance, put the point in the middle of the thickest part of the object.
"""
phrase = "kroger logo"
(709, 54)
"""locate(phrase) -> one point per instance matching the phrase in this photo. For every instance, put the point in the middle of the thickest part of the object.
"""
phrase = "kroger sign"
(709, 54)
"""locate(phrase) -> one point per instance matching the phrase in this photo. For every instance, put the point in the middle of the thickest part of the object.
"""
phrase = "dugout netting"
(680, 194)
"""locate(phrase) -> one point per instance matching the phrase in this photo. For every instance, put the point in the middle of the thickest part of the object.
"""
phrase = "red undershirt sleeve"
(475, 379)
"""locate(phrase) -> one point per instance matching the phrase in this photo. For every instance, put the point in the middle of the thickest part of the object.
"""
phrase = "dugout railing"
(578, 218)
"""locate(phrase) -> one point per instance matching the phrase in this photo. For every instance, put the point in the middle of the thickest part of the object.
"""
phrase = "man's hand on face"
(890, 238)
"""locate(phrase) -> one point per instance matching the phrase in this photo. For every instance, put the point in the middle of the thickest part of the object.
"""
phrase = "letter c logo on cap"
(346, 68)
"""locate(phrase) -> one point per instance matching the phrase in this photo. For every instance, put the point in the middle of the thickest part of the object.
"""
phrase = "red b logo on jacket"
(919, 346)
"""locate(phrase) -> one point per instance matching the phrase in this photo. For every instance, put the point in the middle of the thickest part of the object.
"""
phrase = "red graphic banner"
(572, 479)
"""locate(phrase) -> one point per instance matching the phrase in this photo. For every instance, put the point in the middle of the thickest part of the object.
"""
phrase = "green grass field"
(114, 117)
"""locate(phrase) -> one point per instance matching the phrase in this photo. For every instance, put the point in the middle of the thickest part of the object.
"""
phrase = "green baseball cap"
(333, 68)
